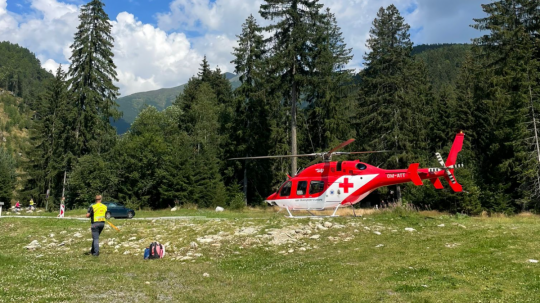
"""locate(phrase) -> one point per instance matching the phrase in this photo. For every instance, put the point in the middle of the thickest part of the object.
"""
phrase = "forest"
(296, 95)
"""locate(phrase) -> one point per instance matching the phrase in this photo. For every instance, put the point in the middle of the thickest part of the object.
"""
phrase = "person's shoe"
(95, 255)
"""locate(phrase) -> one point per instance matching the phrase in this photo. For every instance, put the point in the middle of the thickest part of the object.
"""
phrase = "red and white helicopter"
(333, 184)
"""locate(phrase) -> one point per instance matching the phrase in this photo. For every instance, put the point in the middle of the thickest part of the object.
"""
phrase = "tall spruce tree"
(508, 75)
(51, 134)
(205, 141)
(91, 74)
(332, 107)
(291, 47)
(251, 133)
(394, 94)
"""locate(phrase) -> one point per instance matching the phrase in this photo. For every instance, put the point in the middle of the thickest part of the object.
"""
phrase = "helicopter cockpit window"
(361, 166)
(286, 190)
(316, 187)
(301, 188)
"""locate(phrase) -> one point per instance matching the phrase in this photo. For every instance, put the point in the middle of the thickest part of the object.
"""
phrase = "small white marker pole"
(1, 204)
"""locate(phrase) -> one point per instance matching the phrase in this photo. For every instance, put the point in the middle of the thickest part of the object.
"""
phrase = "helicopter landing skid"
(313, 215)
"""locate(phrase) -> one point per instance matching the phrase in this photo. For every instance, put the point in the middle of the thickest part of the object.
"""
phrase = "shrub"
(237, 202)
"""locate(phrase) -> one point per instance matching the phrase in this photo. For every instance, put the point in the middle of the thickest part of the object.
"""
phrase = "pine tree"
(51, 155)
(205, 141)
(91, 74)
(218, 83)
(141, 154)
(507, 75)
(251, 131)
(332, 109)
(393, 92)
(291, 48)
(205, 73)
(394, 96)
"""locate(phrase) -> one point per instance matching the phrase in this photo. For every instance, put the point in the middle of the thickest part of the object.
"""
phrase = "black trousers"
(96, 228)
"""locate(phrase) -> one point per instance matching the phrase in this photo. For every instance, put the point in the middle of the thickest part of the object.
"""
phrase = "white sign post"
(62, 208)
(1, 204)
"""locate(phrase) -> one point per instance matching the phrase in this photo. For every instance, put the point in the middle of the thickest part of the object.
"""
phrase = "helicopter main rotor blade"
(274, 157)
(366, 152)
(342, 145)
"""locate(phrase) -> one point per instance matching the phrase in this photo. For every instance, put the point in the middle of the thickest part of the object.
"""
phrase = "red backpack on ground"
(156, 251)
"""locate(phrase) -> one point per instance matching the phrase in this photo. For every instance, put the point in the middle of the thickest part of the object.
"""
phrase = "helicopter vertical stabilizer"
(456, 148)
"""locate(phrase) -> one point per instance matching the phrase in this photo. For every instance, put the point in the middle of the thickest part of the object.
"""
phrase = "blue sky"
(160, 43)
(145, 10)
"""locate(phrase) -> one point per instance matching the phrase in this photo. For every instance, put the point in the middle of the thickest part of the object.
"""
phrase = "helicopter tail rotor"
(449, 165)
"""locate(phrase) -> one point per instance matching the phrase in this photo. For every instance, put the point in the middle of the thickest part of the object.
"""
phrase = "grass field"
(263, 257)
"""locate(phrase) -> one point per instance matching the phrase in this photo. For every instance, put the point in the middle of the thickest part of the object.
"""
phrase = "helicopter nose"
(271, 197)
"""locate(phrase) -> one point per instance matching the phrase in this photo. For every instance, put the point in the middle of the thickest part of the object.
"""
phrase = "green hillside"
(22, 79)
(443, 61)
(21, 72)
(162, 98)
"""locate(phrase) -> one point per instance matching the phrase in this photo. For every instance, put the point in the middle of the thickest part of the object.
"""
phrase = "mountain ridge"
(161, 98)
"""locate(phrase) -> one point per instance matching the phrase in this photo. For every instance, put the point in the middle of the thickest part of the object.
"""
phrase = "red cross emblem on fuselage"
(346, 185)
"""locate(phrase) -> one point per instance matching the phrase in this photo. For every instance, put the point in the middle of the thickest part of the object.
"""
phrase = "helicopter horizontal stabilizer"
(413, 174)
(437, 183)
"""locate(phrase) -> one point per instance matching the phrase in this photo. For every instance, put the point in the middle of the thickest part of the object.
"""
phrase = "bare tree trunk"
(398, 193)
(536, 190)
(293, 125)
(245, 182)
(64, 186)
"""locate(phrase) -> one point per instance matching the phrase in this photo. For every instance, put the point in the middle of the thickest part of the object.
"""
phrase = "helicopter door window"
(301, 188)
(316, 187)
(286, 190)
(339, 165)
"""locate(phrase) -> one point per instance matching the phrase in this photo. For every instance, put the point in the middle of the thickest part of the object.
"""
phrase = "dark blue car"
(118, 210)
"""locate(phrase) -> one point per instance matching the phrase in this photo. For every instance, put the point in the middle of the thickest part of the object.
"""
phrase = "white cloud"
(217, 49)
(151, 57)
(432, 21)
(51, 66)
(7, 21)
(224, 16)
(47, 32)
(147, 58)
(53, 10)
(446, 21)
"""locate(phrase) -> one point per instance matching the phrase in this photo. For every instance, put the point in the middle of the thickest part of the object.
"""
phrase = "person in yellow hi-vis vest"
(96, 213)
(31, 204)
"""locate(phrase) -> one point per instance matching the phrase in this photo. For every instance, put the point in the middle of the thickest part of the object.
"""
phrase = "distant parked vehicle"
(118, 210)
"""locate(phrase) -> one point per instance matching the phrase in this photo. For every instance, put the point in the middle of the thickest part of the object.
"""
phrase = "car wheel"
(130, 215)
(107, 215)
